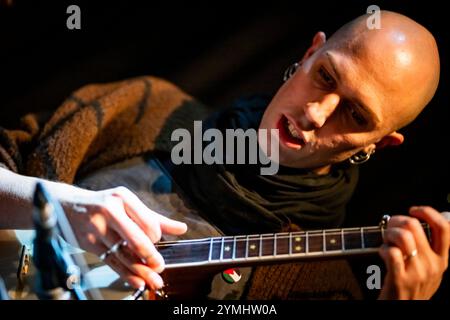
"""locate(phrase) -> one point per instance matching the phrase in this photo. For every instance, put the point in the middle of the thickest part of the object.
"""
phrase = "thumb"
(170, 226)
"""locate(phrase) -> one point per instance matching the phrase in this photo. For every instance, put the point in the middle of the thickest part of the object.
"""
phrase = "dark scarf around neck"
(238, 200)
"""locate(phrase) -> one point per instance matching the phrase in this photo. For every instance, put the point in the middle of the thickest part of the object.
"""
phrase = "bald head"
(401, 59)
(352, 92)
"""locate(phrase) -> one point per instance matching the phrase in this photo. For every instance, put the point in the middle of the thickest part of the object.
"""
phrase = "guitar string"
(278, 236)
(265, 237)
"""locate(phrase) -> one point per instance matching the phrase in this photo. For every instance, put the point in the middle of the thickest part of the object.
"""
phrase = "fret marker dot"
(298, 239)
(298, 248)
(332, 241)
(227, 248)
(252, 247)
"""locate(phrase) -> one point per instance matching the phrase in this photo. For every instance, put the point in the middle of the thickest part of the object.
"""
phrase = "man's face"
(332, 107)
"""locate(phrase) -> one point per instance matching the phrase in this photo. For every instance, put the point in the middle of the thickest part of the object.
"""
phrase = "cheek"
(339, 123)
(338, 143)
(337, 148)
(341, 132)
(360, 140)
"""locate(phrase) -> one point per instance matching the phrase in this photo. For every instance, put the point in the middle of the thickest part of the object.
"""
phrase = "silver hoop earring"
(290, 71)
(361, 157)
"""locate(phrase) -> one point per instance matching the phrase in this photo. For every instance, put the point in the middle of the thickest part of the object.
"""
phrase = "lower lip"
(287, 139)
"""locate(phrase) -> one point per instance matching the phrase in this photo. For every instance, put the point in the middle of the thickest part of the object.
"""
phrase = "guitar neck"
(275, 247)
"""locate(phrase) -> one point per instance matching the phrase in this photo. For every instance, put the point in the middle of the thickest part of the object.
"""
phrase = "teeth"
(292, 130)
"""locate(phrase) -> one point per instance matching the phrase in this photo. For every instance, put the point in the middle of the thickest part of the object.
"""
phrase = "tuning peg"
(384, 221)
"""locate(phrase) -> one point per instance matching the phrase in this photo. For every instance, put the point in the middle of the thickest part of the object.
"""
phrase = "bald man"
(350, 95)
(344, 99)
(353, 92)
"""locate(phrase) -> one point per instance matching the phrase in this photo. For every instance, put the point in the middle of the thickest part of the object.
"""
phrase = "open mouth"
(289, 135)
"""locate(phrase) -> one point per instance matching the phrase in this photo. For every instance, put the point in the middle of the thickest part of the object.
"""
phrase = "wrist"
(72, 198)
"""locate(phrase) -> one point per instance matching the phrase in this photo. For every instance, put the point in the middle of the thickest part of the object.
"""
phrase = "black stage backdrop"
(218, 51)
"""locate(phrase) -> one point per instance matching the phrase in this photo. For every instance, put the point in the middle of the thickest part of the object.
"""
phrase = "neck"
(276, 247)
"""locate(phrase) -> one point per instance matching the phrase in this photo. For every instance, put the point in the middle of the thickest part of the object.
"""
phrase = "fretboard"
(254, 249)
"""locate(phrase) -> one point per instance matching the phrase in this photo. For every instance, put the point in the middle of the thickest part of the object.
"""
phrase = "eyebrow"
(356, 101)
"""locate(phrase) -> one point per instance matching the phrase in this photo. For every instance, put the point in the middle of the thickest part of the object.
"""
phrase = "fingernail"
(160, 268)
(158, 282)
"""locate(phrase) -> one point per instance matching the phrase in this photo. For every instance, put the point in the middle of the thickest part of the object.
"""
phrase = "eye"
(326, 78)
(356, 115)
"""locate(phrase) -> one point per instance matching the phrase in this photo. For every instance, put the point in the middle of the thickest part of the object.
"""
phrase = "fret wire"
(221, 248)
(234, 248)
(290, 243)
(210, 249)
(324, 241)
(307, 242)
(362, 239)
(275, 245)
(342, 240)
(246, 247)
(260, 245)
(382, 233)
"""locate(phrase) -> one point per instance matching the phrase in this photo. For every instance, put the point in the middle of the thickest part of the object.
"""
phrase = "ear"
(318, 41)
(392, 139)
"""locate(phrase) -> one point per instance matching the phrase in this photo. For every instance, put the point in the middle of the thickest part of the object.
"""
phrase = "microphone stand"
(58, 276)
(3, 292)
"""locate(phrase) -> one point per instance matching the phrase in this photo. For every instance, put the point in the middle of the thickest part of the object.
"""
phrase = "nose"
(317, 113)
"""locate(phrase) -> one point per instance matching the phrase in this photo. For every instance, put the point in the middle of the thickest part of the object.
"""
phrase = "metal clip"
(24, 264)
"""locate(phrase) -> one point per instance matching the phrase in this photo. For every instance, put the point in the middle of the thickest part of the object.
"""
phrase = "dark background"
(218, 52)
